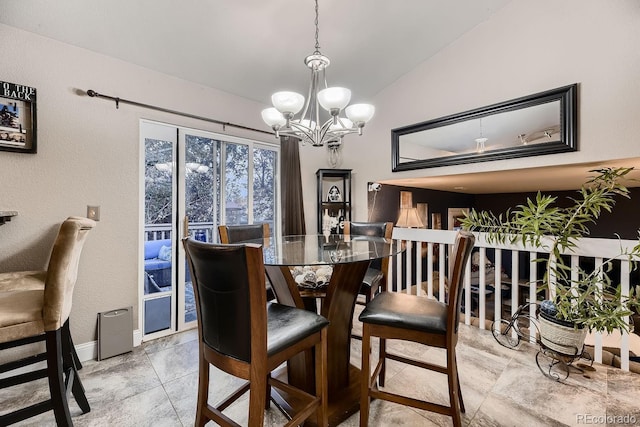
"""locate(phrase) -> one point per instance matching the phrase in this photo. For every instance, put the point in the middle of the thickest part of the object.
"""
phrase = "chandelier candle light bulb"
(309, 127)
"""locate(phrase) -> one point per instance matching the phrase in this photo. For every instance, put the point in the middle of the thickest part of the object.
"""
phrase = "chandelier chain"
(317, 31)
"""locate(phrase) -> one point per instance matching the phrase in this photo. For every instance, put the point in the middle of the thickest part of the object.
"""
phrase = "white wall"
(525, 48)
(88, 153)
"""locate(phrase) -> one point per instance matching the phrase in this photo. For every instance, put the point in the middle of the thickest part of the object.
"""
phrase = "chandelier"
(481, 140)
(335, 100)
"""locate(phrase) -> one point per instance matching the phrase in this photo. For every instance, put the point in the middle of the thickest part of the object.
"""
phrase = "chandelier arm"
(316, 105)
(326, 135)
(322, 132)
(303, 129)
(325, 126)
(307, 102)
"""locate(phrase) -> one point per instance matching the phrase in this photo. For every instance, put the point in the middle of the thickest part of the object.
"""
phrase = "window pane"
(264, 185)
(236, 184)
(158, 187)
(199, 175)
(158, 256)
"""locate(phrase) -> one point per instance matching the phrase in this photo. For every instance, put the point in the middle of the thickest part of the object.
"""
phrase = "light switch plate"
(93, 212)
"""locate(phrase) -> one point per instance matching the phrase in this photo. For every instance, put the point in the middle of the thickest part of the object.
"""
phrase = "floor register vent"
(115, 332)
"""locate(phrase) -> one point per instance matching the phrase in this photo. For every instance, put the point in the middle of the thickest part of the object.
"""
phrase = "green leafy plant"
(591, 300)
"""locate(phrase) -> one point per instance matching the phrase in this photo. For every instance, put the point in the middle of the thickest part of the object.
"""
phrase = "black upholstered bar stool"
(415, 318)
(35, 307)
(245, 336)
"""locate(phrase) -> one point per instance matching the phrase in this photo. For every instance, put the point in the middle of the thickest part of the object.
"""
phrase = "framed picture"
(455, 215)
(17, 118)
(423, 213)
(436, 221)
(334, 194)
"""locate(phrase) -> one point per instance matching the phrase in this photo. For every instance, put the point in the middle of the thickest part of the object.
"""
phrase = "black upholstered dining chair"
(35, 307)
(375, 280)
(242, 334)
(376, 277)
(238, 233)
(415, 318)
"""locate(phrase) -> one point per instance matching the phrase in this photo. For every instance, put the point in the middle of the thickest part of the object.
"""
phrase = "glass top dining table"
(349, 257)
(319, 249)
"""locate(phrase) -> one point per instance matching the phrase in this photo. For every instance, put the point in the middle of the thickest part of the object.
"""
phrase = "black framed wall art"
(17, 118)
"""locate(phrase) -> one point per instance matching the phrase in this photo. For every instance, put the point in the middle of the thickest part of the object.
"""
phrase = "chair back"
(460, 256)
(226, 281)
(374, 229)
(371, 229)
(239, 233)
(62, 271)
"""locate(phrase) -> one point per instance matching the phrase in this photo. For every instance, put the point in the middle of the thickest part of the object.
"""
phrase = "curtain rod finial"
(92, 93)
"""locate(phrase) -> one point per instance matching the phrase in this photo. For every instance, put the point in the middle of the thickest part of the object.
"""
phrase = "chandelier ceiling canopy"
(311, 126)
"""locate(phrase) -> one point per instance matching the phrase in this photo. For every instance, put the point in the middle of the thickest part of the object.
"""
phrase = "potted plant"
(589, 303)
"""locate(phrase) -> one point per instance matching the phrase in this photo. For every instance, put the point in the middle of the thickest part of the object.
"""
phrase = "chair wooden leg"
(365, 377)
(203, 392)
(454, 392)
(257, 395)
(76, 359)
(459, 390)
(267, 400)
(383, 359)
(71, 370)
(321, 379)
(56, 380)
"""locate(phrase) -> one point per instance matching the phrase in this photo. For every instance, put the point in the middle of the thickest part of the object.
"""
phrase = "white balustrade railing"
(163, 231)
(424, 256)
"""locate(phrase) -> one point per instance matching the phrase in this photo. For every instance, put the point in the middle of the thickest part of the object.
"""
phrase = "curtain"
(290, 177)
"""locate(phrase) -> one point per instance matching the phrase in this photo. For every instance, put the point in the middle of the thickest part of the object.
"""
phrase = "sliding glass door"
(194, 181)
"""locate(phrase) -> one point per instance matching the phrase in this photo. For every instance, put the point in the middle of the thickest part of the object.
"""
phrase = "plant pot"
(561, 336)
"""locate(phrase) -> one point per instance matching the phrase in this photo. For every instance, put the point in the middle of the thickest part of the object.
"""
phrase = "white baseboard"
(89, 350)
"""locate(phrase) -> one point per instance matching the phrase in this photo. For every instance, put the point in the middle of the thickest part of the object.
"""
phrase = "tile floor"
(156, 384)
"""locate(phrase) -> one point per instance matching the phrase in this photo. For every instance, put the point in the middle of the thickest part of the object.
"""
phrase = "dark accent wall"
(387, 202)
(624, 220)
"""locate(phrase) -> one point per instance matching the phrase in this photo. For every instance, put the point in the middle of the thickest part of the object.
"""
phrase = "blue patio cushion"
(156, 264)
(152, 247)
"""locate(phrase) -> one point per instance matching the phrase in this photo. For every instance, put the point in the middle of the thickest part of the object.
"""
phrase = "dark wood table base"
(342, 403)
(337, 306)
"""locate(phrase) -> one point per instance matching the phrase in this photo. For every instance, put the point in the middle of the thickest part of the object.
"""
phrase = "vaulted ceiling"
(252, 48)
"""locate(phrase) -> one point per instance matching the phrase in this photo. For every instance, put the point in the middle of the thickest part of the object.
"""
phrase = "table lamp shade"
(408, 217)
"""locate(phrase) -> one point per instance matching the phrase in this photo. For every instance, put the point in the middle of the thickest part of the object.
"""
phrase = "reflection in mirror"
(543, 123)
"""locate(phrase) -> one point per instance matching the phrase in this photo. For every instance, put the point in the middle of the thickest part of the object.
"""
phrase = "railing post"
(497, 302)
(533, 292)
(597, 345)
(624, 339)
(482, 286)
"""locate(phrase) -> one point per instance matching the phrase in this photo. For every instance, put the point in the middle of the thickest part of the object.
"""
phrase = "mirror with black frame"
(543, 123)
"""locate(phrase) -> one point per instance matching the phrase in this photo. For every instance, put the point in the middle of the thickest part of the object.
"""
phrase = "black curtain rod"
(92, 93)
